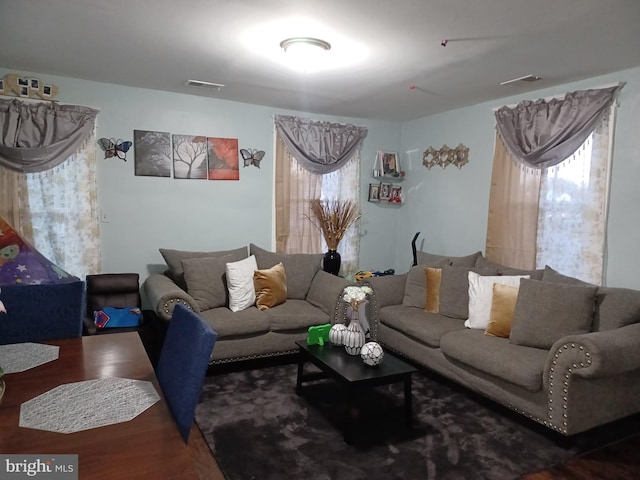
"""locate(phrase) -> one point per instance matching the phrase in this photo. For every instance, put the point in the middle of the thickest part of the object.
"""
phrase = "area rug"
(258, 428)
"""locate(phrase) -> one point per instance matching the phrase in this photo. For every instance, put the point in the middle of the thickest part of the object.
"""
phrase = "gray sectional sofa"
(570, 362)
(197, 280)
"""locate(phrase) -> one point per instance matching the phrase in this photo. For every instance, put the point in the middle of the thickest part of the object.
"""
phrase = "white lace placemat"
(18, 357)
(73, 407)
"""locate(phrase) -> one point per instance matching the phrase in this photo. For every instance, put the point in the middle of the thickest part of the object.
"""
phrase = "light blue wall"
(147, 213)
(449, 206)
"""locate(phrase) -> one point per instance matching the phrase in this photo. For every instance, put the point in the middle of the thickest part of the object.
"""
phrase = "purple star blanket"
(22, 264)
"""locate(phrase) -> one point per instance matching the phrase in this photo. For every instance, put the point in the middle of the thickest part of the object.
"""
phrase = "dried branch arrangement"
(333, 218)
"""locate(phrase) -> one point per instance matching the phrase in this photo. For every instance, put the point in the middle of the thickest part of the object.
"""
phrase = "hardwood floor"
(618, 461)
(203, 460)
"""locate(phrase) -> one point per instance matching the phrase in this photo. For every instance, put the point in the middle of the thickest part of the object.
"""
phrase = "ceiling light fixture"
(202, 83)
(526, 78)
(308, 43)
(305, 53)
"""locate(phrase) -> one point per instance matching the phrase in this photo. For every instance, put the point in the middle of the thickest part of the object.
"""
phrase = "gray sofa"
(571, 361)
(197, 280)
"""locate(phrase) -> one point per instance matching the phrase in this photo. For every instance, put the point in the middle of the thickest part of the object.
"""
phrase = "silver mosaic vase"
(354, 337)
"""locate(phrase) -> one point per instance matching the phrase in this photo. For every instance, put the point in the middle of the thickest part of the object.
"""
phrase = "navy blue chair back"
(183, 363)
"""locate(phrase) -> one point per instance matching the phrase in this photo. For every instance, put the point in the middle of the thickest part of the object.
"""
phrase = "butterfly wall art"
(115, 148)
(251, 156)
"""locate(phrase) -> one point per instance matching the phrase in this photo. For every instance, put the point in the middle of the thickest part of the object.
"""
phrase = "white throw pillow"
(481, 294)
(242, 293)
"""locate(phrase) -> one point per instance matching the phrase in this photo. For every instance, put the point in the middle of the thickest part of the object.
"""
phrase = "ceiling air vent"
(200, 83)
(526, 78)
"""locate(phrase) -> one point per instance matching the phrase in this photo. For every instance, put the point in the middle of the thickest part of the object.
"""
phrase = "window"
(295, 188)
(48, 180)
(550, 184)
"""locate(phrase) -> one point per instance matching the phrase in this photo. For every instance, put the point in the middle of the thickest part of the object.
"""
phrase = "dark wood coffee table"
(352, 373)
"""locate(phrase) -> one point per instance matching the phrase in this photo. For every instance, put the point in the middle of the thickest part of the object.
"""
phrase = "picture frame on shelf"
(374, 192)
(389, 165)
(395, 194)
(385, 191)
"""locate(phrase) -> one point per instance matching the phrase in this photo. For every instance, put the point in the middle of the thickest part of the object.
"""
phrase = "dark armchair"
(117, 290)
(121, 290)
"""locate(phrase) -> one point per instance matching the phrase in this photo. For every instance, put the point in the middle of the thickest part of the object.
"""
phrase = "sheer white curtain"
(63, 206)
(295, 187)
(572, 217)
(344, 184)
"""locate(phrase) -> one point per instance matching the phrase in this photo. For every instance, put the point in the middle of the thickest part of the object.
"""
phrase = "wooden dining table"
(148, 446)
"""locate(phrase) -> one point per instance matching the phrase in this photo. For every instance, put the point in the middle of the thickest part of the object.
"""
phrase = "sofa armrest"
(387, 290)
(163, 294)
(597, 354)
(325, 292)
(578, 367)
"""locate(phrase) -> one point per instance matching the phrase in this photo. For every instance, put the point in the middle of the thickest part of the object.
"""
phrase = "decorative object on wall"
(115, 148)
(457, 156)
(333, 218)
(27, 87)
(387, 165)
(385, 192)
(189, 156)
(374, 192)
(251, 156)
(152, 153)
(396, 194)
(223, 161)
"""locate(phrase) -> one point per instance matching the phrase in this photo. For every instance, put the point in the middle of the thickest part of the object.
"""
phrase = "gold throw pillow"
(433, 277)
(271, 286)
(503, 305)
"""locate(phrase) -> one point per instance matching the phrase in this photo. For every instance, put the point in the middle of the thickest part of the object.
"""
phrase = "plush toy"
(318, 335)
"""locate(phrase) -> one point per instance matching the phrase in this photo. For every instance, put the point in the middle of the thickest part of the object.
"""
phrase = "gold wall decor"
(14, 85)
(457, 156)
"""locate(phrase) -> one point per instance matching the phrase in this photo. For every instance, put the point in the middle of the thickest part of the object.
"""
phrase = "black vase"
(331, 262)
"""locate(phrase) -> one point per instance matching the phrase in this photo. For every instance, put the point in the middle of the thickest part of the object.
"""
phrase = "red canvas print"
(223, 159)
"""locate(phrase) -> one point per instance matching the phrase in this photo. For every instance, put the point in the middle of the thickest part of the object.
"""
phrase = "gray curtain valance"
(320, 147)
(542, 133)
(39, 136)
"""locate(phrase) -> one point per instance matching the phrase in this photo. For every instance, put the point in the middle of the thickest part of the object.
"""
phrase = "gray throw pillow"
(325, 290)
(300, 268)
(174, 260)
(415, 289)
(454, 290)
(431, 260)
(482, 262)
(553, 276)
(545, 312)
(207, 281)
(616, 307)
(465, 261)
